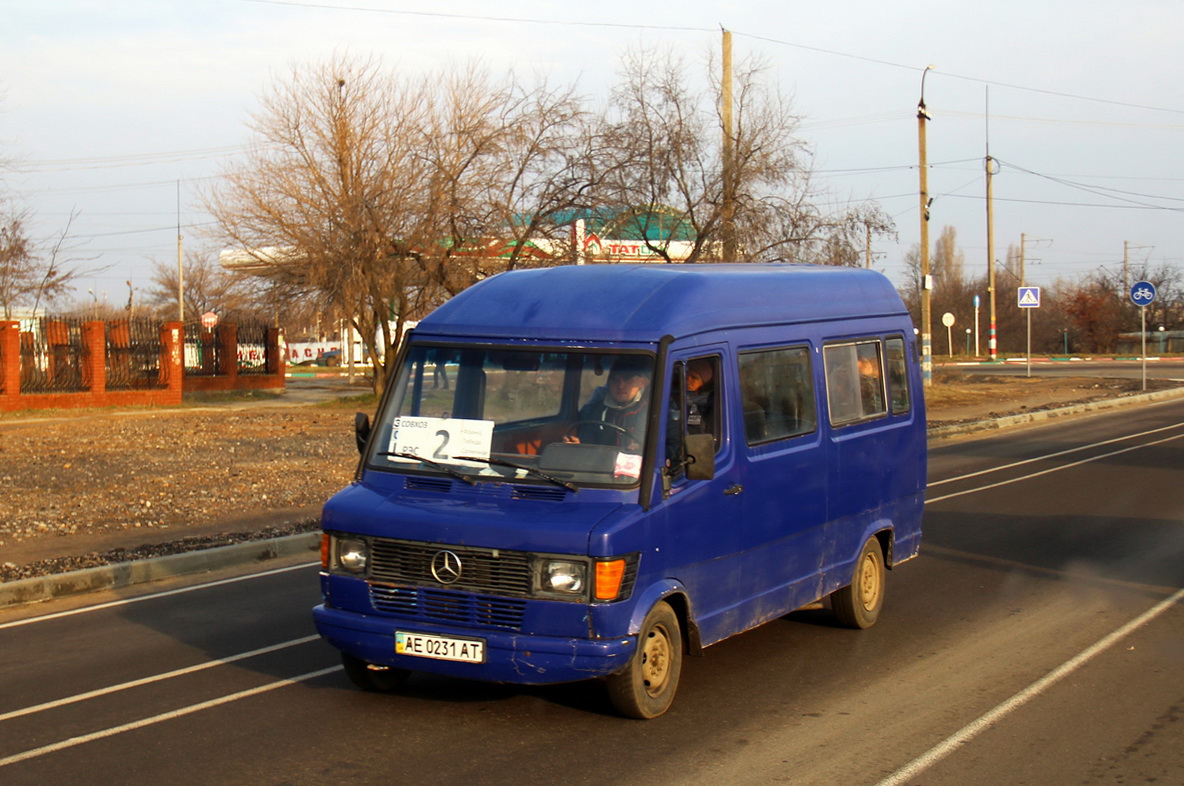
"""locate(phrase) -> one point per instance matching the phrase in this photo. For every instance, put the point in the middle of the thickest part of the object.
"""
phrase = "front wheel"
(371, 677)
(858, 604)
(646, 687)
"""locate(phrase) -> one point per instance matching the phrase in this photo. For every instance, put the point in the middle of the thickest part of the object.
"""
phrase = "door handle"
(733, 489)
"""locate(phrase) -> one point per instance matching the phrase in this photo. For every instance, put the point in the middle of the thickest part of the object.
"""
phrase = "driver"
(622, 403)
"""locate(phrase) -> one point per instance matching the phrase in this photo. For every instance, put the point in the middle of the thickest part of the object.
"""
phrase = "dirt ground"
(90, 487)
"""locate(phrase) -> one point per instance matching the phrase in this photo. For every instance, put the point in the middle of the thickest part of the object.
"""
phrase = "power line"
(1098, 190)
(128, 160)
(688, 29)
(1070, 204)
(485, 18)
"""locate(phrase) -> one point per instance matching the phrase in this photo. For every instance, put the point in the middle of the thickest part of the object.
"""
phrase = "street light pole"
(926, 282)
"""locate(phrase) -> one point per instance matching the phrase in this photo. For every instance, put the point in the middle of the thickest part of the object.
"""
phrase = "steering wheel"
(574, 427)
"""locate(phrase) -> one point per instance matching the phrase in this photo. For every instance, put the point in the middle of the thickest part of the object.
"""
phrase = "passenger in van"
(620, 406)
(870, 387)
(701, 396)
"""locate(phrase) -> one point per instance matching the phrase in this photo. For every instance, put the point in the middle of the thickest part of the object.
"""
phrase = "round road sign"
(1143, 293)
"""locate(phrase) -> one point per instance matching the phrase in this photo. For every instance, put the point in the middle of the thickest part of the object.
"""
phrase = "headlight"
(353, 555)
(564, 577)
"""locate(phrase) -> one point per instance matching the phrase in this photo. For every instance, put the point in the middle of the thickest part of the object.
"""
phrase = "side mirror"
(700, 456)
(361, 430)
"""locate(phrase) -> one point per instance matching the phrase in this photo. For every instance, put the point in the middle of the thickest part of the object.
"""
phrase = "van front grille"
(483, 571)
(455, 608)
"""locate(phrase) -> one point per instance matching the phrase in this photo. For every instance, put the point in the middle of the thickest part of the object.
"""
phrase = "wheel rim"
(870, 584)
(655, 660)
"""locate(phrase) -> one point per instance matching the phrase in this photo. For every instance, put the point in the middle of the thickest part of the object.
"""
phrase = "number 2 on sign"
(444, 437)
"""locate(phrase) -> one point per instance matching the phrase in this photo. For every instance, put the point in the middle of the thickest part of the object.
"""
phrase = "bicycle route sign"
(1143, 293)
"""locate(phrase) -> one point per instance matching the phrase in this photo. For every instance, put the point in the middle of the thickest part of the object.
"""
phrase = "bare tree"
(660, 164)
(234, 297)
(29, 278)
(329, 204)
(379, 195)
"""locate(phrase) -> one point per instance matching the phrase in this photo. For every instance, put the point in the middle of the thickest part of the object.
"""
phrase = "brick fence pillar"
(10, 358)
(228, 351)
(172, 357)
(277, 356)
(94, 343)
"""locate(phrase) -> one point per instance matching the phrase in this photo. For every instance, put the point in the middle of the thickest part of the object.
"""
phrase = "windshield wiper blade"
(432, 463)
(531, 470)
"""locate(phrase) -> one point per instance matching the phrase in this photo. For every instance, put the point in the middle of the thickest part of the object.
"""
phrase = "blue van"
(592, 471)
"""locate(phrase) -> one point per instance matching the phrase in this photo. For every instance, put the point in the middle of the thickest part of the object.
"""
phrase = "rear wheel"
(858, 604)
(646, 688)
(372, 677)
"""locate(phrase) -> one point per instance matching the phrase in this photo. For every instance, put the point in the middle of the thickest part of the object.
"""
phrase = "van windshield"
(565, 418)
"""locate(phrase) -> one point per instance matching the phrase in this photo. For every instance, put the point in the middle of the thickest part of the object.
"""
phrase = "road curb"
(126, 574)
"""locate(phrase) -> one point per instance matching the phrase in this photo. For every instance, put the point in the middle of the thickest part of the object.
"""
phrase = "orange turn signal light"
(609, 575)
(324, 551)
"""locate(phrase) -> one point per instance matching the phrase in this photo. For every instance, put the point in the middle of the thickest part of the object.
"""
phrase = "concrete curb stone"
(124, 574)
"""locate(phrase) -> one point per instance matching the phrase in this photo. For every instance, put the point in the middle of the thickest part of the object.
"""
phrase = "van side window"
(777, 394)
(694, 406)
(898, 378)
(854, 381)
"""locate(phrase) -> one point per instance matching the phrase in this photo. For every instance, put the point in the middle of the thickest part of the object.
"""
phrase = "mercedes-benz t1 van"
(591, 471)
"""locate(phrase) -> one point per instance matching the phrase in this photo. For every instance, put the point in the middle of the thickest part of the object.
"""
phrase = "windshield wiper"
(432, 463)
(530, 470)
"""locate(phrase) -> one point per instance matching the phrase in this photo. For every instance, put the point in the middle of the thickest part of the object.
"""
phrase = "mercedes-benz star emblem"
(446, 567)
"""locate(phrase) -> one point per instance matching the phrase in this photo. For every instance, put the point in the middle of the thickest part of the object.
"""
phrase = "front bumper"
(510, 657)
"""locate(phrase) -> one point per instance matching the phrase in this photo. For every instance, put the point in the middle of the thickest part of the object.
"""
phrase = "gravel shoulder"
(92, 487)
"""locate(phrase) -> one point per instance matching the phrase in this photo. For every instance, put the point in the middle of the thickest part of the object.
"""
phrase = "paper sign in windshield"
(628, 465)
(441, 439)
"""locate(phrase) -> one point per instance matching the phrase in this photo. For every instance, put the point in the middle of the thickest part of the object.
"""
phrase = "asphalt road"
(1038, 639)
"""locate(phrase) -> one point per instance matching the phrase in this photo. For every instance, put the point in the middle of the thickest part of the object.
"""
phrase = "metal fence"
(203, 355)
(133, 355)
(253, 348)
(53, 355)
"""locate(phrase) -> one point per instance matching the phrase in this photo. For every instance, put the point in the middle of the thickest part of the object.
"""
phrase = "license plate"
(420, 645)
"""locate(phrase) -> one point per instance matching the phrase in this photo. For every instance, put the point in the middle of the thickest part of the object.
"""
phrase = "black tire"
(858, 604)
(367, 676)
(646, 687)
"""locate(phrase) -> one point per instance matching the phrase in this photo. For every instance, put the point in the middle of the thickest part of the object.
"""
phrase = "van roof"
(644, 302)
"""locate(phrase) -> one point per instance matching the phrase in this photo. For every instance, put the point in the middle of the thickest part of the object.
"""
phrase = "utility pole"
(180, 266)
(1023, 240)
(868, 227)
(992, 345)
(926, 279)
(1126, 266)
(729, 153)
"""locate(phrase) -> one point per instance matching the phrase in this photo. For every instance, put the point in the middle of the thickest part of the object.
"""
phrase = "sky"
(114, 114)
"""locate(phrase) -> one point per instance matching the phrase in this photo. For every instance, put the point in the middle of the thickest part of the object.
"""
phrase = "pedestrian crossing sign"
(1029, 297)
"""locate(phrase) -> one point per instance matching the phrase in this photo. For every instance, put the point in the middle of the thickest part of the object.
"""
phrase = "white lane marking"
(1057, 454)
(1051, 470)
(971, 730)
(164, 716)
(49, 705)
(167, 593)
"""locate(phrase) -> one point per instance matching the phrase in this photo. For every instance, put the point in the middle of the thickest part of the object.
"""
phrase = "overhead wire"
(695, 29)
